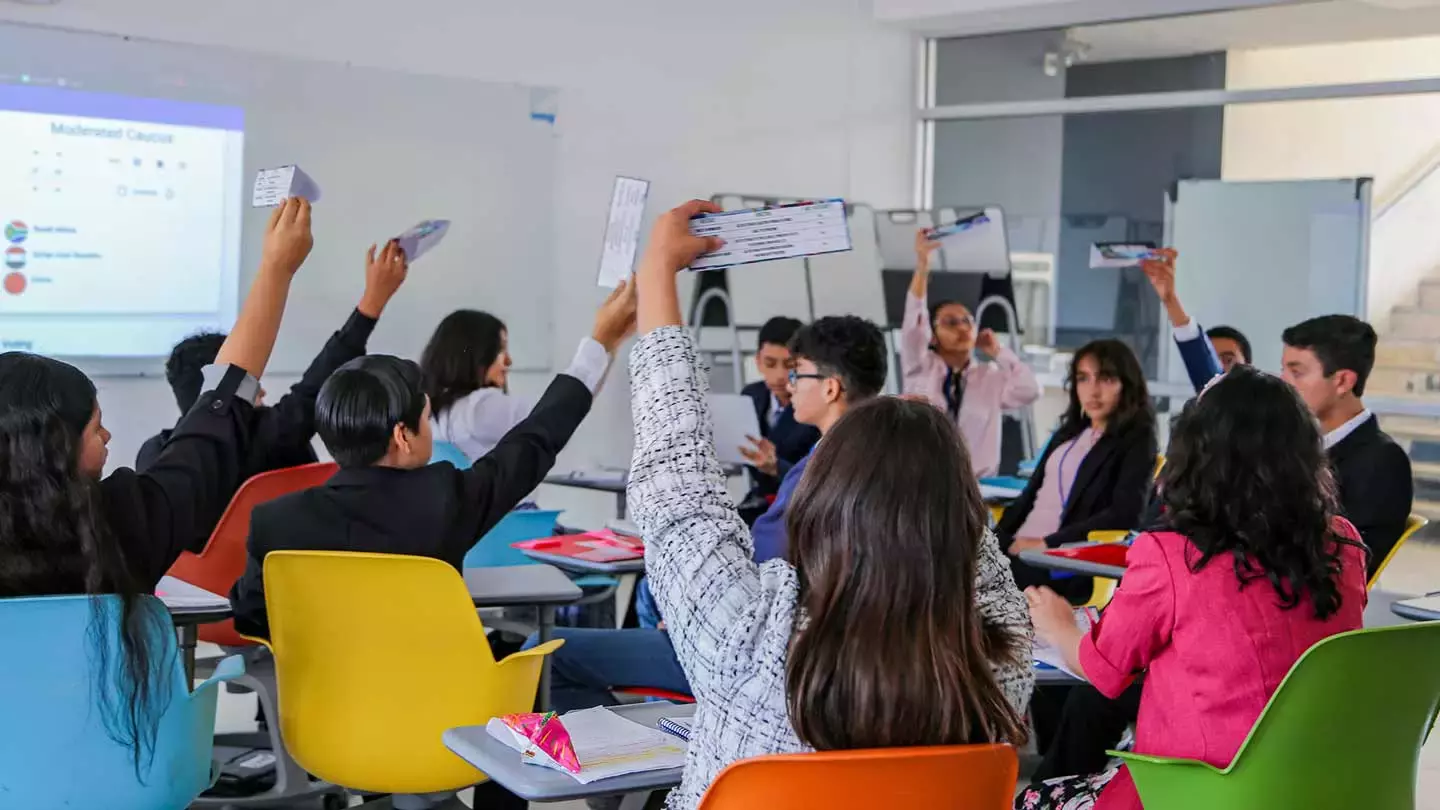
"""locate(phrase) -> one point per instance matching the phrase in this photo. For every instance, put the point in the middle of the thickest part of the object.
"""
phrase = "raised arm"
(717, 602)
(182, 494)
(1201, 361)
(915, 334)
(292, 420)
(1018, 384)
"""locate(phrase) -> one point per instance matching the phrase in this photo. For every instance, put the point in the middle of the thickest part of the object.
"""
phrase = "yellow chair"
(1159, 465)
(996, 512)
(1413, 525)
(376, 655)
(1103, 588)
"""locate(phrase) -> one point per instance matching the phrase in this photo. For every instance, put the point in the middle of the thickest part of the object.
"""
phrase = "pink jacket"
(1213, 653)
(990, 388)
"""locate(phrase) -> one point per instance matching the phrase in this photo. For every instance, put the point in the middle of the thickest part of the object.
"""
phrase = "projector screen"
(121, 220)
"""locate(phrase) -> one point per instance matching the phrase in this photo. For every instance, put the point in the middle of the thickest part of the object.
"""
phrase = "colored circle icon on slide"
(15, 258)
(16, 231)
(15, 283)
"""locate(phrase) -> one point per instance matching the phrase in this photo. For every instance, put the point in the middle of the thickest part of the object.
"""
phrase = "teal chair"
(54, 747)
(493, 550)
(1343, 732)
(445, 451)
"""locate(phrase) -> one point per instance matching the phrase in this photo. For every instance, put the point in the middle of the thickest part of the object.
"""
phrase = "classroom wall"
(807, 97)
(1384, 138)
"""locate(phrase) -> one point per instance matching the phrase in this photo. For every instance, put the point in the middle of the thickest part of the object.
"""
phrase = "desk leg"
(189, 637)
(620, 505)
(547, 630)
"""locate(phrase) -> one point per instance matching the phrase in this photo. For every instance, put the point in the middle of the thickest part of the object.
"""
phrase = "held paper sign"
(960, 226)
(622, 230)
(1116, 254)
(272, 186)
(417, 241)
(767, 234)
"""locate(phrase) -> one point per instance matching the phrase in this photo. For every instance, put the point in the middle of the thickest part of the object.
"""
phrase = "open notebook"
(605, 744)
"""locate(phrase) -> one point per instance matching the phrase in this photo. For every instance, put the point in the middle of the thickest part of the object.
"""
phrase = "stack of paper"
(1085, 618)
(606, 744)
(178, 595)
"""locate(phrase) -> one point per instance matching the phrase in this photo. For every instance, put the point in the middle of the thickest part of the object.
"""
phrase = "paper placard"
(418, 241)
(622, 230)
(768, 234)
(273, 186)
(1120, 254)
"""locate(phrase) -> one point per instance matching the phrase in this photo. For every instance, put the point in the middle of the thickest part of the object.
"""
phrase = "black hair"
(1231, 333)
(1115, 360)
(1246, 474)
(185, 368)
(458, 355)
(1340, 343)
(54, 540)
(847, 347)
(778, 331)
(362, 402)
(939, 305)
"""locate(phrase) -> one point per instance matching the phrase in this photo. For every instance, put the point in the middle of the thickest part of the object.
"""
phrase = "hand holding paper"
(288, 239)
(274, 186)
(383, 276)
(418, 241)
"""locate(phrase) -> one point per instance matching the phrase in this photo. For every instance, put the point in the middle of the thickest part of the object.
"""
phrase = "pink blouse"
(1057, 485)
(1212, 653)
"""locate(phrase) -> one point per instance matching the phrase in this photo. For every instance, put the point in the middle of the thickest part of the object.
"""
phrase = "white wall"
(1384, 138)
(805, 97)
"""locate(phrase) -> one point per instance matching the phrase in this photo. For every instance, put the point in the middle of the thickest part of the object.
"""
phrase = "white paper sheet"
(606, 744)
(418, 241)
(622, 230)
(272, 186)
(767, 234)
(176, 593)
(734, 418)
(1085, 618)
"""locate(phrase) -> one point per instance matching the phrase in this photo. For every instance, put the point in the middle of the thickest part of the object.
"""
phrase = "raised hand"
(988, 343)
(288, 239)
(1161, 272)
(671, 248)
(615, 320)
(383, 276)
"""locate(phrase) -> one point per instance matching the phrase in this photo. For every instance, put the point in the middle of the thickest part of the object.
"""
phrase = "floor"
(1416, 570)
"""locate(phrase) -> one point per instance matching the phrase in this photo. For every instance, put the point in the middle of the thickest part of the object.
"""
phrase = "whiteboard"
(1265, 256)
(388, 150)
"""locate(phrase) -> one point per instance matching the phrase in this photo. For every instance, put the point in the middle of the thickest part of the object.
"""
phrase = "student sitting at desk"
(937, 356)
(283, 432)
(1095, 472)
(467, 377)
(374, 418)
(804, 653)
(65, 530)
(1252, 568)
(784, 439)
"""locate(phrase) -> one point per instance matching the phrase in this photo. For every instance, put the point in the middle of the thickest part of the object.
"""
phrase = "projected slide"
(121, 221)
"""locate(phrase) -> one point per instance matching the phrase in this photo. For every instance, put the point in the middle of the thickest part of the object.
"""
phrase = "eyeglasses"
(796, 376)
(956, 323)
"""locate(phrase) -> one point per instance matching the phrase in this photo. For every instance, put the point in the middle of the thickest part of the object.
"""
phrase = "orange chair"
(966, 777)
(221, 563)
(216, 569)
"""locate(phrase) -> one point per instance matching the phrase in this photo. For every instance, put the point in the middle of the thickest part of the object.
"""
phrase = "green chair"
(1342, 732)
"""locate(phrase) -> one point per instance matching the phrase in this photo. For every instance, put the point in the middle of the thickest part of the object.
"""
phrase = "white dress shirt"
(1343, 432)
(479, 420)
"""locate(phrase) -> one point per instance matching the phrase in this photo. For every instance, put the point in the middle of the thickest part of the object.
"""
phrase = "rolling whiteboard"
(388, 150)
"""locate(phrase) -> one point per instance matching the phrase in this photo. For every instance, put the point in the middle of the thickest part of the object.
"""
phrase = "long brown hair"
(884, 530)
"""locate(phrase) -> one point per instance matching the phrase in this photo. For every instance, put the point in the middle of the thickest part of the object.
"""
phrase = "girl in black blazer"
(1096, 472)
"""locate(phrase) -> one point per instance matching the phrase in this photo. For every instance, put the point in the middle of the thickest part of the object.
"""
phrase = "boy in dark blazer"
(375, 420)
(782, 441)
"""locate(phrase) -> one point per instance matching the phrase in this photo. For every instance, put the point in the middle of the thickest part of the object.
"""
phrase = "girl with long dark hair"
(1252, 568)
(66, 530)
(1096, 471)
(467, 377)
(876, 631)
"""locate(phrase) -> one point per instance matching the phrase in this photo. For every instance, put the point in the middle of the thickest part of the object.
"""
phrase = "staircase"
(1404, 390)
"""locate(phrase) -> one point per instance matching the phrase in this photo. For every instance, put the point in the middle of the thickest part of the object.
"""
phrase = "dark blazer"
(1373, 475)
(282, 434)
(1110, 489)
(792, 440)
(434, 511)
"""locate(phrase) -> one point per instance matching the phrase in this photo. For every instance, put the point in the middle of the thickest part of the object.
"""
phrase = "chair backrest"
(1412, 525)
(447, 452)
(493, 550)
(55, 750)
(376, 656)
(223, 561)
(965, 777)
(1346, 726)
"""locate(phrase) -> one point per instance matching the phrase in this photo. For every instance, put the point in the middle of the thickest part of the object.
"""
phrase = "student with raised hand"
(467, 377)
(283, 432)
(1252, 568)
(1096, 471)
(1206, 354)
(800, 654)
(1328, 361)
(937, 356)
(376, 420)
(66, 530)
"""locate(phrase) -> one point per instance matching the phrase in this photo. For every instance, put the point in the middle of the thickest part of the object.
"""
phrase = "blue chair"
(55, 750)
(493, 550)
(445, 451)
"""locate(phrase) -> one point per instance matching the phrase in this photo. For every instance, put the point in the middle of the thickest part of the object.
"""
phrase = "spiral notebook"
(678, 726)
